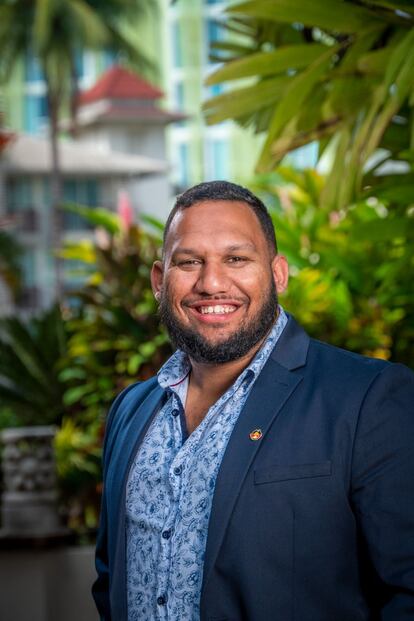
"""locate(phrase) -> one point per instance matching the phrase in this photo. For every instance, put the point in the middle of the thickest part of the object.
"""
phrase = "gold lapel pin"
(256, 434)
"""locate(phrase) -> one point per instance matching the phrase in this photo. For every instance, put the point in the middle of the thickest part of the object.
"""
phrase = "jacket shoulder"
(347, 357)
(124, 405)
(355, 368)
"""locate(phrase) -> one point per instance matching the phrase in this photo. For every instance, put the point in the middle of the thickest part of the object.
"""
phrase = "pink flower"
(125, 210)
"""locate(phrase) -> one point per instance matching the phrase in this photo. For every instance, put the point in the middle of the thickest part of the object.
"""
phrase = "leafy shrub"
(351, 282)
(115, 336)
(30, 354)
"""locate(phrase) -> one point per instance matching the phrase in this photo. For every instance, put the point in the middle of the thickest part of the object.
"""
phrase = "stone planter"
(29, 502)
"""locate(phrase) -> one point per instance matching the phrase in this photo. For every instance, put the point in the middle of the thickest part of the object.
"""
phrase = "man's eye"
(237, 259)
(188, 263)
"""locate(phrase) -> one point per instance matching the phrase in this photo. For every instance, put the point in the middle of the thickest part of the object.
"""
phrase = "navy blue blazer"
(312, 522)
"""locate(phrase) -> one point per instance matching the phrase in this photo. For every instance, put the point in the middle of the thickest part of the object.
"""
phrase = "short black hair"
(225, 191)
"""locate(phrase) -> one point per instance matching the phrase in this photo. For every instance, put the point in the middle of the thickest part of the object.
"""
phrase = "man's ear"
(280, 271)
(157, 275)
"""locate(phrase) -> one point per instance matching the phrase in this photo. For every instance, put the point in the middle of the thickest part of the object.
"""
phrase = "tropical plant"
(115, 335)
(10, 269)
(337, 72)
(114, 338)
(30, 352)
(78, 449)
(55, 32)
(347, 287)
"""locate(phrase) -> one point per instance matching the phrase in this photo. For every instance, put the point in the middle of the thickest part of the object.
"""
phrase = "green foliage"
(115, 336)
(114, 339)
(56, 31)
(78, 460)
(67, 368)
(343, 76)
(10, 270)
(351, 269)
(29, 368)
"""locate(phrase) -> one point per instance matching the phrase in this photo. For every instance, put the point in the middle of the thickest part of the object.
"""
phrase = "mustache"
(217, 297)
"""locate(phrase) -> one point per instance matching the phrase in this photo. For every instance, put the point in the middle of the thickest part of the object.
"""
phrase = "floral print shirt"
(170, 492)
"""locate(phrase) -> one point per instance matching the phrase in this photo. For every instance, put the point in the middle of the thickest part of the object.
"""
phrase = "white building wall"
(149, 194)
(152, 196)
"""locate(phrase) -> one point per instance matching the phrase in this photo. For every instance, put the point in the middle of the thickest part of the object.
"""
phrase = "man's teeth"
(218, 310)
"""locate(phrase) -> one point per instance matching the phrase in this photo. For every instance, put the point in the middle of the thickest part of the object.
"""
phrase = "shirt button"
(162, 600)
(175, 412)
(166, 534)
(178, 470)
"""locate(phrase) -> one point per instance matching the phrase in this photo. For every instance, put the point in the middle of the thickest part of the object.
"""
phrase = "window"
(33, 71)
(35, 113)
(182, 171)
(177, 52)
(19, 195)
(218, 159)
(214, 31)
(27, 264)
(83, 192)
(109, 58)
(214, 34)
(179, 95)
(179, 101)
(79, 64)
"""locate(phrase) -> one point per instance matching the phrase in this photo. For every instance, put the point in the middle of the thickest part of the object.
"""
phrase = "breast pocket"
(278, 472)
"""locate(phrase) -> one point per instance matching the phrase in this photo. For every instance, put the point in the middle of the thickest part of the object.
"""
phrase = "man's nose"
(212, 279)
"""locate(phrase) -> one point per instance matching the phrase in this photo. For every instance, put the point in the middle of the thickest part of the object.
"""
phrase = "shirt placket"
(183, 470)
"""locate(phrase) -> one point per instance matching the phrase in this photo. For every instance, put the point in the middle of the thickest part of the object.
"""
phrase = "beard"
(235, 346)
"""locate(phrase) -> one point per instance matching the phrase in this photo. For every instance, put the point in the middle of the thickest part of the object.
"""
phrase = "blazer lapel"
(127, 444)
(270, 392)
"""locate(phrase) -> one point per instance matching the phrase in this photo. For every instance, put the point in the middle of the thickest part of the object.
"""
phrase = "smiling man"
(261, 475)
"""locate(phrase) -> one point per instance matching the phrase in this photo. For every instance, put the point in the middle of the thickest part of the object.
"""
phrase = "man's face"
(218, 282)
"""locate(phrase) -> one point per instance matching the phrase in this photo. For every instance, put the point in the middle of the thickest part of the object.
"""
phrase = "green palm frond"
(348, 73)
(29, 359)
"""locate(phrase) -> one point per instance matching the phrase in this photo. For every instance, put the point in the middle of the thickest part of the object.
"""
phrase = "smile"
(218, 309)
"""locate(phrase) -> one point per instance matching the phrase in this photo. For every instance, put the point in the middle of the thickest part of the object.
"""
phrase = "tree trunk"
(2, 189)
(56, 193)
(74, 96)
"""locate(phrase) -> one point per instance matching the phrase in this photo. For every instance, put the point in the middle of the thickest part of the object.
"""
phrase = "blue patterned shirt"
(170, 492)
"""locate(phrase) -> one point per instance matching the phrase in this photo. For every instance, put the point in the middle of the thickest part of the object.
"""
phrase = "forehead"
(209, 223)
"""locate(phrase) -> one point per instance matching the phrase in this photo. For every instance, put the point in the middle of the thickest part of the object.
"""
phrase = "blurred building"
(200, 152)
(120, 146)
(130, 117)
(177, 37)
(120, 114)
(90, 178)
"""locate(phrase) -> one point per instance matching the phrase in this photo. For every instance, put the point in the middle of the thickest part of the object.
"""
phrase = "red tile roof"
(120, 83)
(5, 138)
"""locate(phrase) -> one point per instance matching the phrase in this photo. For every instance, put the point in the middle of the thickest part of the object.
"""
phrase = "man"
(262, 475)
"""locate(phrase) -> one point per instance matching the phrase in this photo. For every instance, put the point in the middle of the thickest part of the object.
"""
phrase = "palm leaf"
(268, 63)
(96, 216)
(242, 101)
(334, 15)
(290, 105)
(94, 30)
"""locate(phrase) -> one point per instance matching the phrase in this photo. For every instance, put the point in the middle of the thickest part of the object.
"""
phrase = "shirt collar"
(178, 366)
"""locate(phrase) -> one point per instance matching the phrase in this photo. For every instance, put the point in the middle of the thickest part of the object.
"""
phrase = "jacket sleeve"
(383, 491)
(100, 588)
